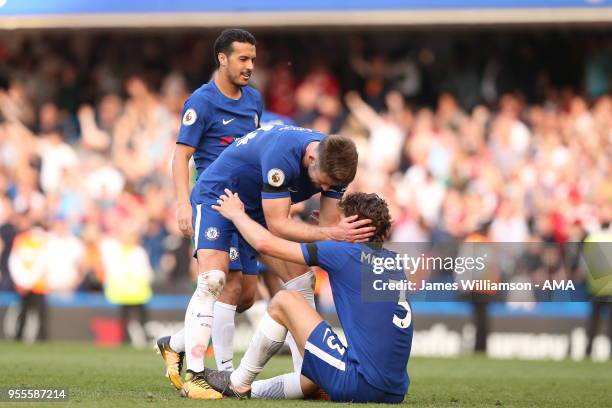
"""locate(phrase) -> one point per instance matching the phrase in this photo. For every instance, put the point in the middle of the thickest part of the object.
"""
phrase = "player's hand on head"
(353, 230)
(229, 205)
(183, 218)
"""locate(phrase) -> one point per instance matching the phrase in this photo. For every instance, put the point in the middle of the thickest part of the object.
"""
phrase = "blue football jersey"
(379, 334)
(212, 121)
(266, 163)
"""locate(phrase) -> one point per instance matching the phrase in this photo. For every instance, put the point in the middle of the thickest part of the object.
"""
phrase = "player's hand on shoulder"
(229, 205)
(183, 218)
(352, 230)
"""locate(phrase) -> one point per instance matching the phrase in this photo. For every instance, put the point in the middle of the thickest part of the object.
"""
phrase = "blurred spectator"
(280, 97)
(598, 68)
(63, 257)
(477, 245)
(177, 258)
(8, 232)
(57, 159)
(93, 268)
(143, 136)
(27, 266)
(127, 270)
(385, 136)
(599, 278)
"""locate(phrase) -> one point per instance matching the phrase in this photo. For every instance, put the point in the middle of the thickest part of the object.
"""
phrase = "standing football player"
(372, 366)
(214, 115)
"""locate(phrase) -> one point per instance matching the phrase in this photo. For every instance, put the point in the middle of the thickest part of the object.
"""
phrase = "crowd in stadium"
(86, 139)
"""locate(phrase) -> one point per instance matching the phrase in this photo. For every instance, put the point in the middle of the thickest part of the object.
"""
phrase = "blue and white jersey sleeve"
(194, 122)
(278, 173)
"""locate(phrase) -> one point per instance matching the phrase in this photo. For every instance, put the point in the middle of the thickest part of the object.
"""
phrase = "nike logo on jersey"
(292, 190)
(226, 361)
(225, 122)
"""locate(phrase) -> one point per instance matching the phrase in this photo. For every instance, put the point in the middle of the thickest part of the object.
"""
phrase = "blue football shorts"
(326, 363)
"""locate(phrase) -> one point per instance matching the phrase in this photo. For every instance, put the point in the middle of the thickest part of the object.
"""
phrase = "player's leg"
(212, 241)
(300, 279)
(225, 312)
(177, 341)
(261, 294)
(249, 292)
(238, 286)
(212, 267)
(223, 326)
(250, 271)
(172, 348)
(303, 282)
(285, 386)
(326, 362)
(288, 310)
(272, 282)
(295, 277)
(240, 294)
(211, 237)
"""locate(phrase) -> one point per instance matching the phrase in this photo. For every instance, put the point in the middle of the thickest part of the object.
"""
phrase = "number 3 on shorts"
(333, 343)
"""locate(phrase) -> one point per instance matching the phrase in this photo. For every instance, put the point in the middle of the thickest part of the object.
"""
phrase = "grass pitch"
(122, 377)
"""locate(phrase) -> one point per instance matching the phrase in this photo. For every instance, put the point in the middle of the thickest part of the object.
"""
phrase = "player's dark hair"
(338, 158)
(223, 43)
(368, 206)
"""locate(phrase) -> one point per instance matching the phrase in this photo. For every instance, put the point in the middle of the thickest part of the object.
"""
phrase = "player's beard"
(241, 81)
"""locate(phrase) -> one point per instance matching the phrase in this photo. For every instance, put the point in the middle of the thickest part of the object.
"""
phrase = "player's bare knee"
(282, 300)
(275, 307)
(210, 284)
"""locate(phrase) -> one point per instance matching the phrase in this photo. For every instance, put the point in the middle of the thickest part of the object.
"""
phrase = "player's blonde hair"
(338, 158)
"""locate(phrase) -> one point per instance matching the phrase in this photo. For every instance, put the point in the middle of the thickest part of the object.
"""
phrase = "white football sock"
(199, 317)
(268, 339)
(177, 341)
(304, 284)
(296, 357)
(223, 329)
(286, 386)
